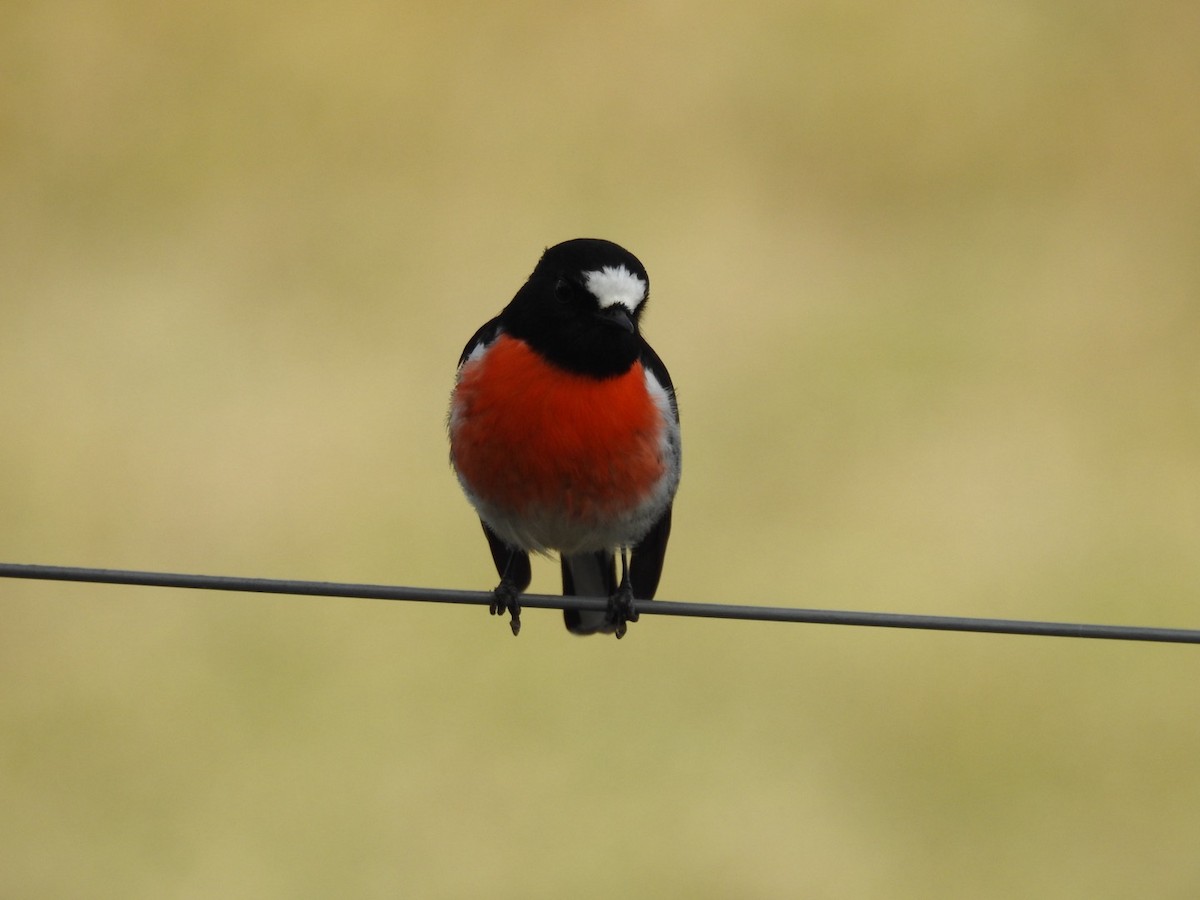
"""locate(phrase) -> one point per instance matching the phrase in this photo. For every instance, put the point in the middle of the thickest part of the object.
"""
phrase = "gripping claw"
(621, 608)
(504, 599)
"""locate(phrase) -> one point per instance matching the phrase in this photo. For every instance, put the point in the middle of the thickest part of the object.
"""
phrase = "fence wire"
(597, 604)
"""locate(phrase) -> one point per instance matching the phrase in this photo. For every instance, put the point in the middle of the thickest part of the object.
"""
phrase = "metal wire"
(590, 604)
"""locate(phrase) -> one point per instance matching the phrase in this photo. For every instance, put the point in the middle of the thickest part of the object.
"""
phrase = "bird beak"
(616, 315)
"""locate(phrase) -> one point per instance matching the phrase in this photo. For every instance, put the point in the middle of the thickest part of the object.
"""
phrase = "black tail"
(588, 575)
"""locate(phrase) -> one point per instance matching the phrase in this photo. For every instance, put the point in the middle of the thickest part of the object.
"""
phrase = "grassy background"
(927, 278)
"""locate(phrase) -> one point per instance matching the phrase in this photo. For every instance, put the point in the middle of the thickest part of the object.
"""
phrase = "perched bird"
(564, 434)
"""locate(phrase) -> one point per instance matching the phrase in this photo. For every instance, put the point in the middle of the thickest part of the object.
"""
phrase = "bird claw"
(504, 599)
(621, 610)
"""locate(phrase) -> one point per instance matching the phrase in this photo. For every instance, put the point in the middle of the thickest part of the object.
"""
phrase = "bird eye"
(562, 290)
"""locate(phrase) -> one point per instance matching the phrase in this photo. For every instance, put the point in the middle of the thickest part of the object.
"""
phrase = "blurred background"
(927, 279)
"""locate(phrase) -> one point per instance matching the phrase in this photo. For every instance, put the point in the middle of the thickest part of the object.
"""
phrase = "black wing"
(485, 335)
(646, 561)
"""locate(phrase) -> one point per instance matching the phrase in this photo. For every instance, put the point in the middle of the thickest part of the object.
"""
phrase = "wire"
(590, 604)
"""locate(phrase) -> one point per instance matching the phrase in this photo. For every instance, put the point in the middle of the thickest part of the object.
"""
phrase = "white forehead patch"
(615, 285)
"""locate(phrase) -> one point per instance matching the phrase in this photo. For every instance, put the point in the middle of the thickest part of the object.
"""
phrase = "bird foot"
(621, 609)
(505, 599)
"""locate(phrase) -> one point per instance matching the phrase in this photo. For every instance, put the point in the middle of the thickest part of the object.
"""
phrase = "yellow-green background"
(927, 276)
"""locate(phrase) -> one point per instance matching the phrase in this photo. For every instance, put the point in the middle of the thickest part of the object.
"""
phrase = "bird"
(564, 435)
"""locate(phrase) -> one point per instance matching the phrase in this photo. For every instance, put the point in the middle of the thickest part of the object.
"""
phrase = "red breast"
(528, 435)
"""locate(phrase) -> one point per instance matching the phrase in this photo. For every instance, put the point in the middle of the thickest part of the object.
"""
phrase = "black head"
(581, 306)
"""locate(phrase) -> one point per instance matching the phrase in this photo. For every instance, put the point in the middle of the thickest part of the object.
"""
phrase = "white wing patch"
(616, 285)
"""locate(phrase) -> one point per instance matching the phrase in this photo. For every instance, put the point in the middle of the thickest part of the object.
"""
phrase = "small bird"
(564, 434)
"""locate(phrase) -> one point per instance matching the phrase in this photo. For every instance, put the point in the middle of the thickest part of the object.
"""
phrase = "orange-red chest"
(529, 437)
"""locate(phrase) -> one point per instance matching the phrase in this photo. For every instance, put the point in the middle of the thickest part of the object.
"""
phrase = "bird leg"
(621, 608)
(513, 565)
